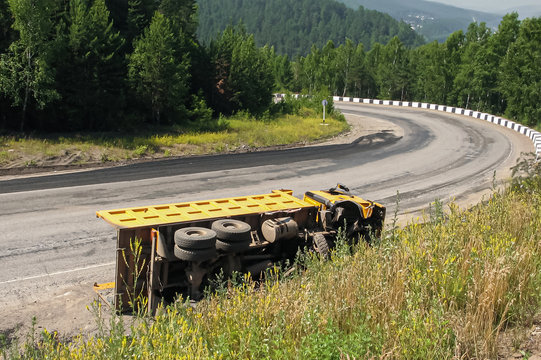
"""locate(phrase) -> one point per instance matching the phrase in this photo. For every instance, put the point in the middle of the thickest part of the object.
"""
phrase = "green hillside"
(293, 26)
(434, 21)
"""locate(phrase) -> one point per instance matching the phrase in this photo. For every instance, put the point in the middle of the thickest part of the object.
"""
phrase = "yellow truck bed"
(152, 216)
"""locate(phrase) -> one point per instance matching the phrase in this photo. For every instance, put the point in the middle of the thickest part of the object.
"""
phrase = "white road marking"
(56, 273)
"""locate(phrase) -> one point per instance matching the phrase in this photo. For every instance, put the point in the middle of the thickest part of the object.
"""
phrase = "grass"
(242, 132)
(443, 288)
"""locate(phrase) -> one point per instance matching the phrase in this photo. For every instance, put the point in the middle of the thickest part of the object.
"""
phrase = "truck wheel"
(321, 245)
(194, 255)
(232, 247)
(229, 230)
(195, 238)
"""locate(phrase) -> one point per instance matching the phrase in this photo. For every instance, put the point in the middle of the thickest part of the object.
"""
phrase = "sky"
(492, 6)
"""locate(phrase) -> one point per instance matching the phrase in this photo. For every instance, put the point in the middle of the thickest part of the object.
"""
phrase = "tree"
(6, 31)
(393, 72)
(497, 48)
(26, 75)
(473, 77)
(138, 18)
(251, 77)
(92, 67)
(243, 73)
(430, 81)
(362, 80)
(182, 14)
(282, 70)
(349, 62)
(521, 74)
(453, 50)
(159, 77)
(308, 70)
(328, 72)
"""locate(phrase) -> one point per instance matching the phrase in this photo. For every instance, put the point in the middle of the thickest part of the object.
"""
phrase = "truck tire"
(229, 230)
(321, 245)
(195, 238)
(232, 247)
(195, 255)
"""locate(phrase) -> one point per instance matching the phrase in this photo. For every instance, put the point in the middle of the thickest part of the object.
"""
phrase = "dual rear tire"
(195, 244)
(232, 235)
(201, 244)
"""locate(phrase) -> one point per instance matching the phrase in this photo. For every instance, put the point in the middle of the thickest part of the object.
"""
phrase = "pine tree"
(182, 14)
(160, 78)
(138, 18)
(92, 67)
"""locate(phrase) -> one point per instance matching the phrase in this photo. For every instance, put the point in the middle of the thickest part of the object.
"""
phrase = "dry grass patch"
(242, 133)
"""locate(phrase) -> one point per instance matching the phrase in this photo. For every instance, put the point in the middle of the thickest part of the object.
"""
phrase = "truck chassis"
(178, 249)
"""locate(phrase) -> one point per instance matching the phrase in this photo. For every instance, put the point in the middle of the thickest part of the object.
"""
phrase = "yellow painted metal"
(150, 216)
(104, 286)
(366, 206)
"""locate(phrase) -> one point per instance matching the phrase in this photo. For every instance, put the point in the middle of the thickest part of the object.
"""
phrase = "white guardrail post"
(535, 136)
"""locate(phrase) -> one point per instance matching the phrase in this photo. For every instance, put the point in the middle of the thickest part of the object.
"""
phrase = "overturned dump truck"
(183, 246)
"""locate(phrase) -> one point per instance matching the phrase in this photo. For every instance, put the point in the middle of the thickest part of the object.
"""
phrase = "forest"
(94, 65)
(293, 26)
(498, 72)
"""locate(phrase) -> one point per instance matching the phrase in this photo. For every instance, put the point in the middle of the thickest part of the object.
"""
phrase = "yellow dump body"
(152, 216)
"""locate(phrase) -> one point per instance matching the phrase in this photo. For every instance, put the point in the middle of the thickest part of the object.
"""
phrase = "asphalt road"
(50, 238)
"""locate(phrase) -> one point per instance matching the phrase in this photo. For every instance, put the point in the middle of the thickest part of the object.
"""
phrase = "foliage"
(293, 26)
(243, 76)
(495, 72)
(70, 65)
(439, 290)
(90, 59)
(521, 69)
(26, 75)
(160, 78)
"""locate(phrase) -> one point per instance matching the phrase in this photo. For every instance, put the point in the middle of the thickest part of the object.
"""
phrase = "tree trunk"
(23, 117)
(26, 91)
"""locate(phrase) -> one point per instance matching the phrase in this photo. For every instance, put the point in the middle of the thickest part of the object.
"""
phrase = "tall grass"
(442, 289)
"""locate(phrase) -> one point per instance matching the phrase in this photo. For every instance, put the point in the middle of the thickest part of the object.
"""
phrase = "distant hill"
(293, 26)
(434, 21)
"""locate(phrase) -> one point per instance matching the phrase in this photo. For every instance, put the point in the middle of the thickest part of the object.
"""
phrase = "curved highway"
(52, 248)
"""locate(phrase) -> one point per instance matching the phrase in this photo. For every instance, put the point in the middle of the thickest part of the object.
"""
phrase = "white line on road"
(56, 273)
